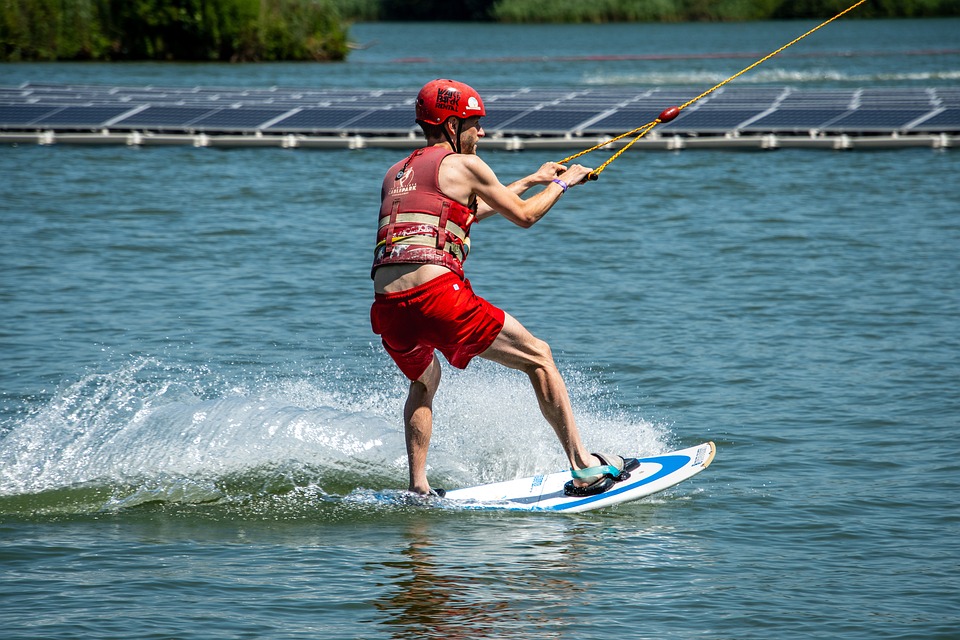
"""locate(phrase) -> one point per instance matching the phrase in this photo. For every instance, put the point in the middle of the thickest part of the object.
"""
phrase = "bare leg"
(517, 348)
(418, 425)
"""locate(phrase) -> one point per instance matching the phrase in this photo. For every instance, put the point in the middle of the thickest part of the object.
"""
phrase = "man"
(422, 301)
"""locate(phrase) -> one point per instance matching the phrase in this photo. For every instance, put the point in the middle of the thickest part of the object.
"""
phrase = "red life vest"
(419, 224)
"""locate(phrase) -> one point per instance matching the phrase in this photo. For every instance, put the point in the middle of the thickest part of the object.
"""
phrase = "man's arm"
(544, 175)
(493, 197)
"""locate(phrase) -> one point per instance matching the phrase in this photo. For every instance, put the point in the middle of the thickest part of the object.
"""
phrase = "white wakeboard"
(545, 492)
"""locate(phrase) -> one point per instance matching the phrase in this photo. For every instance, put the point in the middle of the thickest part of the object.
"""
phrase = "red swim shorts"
(443, 314)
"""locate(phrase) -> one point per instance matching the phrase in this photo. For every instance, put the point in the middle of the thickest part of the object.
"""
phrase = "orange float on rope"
(669, 114)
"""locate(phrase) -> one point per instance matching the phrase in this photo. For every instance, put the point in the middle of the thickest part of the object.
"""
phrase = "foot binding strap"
(604, 476)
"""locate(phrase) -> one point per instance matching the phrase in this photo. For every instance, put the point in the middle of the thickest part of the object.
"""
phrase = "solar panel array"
(523, 112)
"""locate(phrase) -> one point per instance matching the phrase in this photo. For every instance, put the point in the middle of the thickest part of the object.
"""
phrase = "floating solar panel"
(83, 117)
(648, 104)
(496, 94)
(743, 99)
(712, 120)
(544, 95)
(237, 119)
(948, 97)
(386, 120)
(22, 115)
(76, 96)
(392, 96)
(165, 118)
(497, 118)
(587, 102)
(512, 111)
(513, 103)
(671, 97)
(623, 120)
(881, 96)
(864, 119)
(795, 120)
(261, 100)
(809, 105)
(317, 119)
(812, 99)
(621, 94)
(551, 120)
(947, 120)
(821, 94)
(731, 90)
(157, 99)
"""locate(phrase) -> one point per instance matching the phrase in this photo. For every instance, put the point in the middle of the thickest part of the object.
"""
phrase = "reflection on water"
(517, 577)
(448, 592)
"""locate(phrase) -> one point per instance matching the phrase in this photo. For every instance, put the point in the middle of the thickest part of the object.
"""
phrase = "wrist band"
(563, 185)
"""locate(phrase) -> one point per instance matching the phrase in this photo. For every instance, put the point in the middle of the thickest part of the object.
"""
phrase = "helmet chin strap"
(454, 145)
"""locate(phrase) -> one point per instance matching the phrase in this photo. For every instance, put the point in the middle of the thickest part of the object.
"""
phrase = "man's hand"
(546, 173)
(574, 174)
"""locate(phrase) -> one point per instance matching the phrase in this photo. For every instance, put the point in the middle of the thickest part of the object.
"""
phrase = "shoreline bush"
(598, 11)
(189, 30)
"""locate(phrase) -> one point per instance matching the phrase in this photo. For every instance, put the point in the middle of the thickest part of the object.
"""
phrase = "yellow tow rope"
(672, 112)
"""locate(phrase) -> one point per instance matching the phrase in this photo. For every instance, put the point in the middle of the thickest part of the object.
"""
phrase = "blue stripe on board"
(670, 464)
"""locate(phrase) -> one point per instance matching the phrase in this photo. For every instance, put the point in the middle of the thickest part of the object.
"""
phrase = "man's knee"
(429, 380)
(540, 355)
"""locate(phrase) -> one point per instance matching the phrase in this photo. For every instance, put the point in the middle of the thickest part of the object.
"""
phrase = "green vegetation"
(709, 10)
(631, 10)
(238, 30)
(635, 10)
(250, 30)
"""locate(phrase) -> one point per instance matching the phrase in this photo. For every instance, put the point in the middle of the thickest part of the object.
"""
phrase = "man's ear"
(450, 124)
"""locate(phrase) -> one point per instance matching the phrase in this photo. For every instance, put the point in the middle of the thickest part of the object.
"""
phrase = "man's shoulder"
(468, 162)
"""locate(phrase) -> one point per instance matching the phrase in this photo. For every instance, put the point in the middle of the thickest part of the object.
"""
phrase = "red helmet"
(440, 99)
